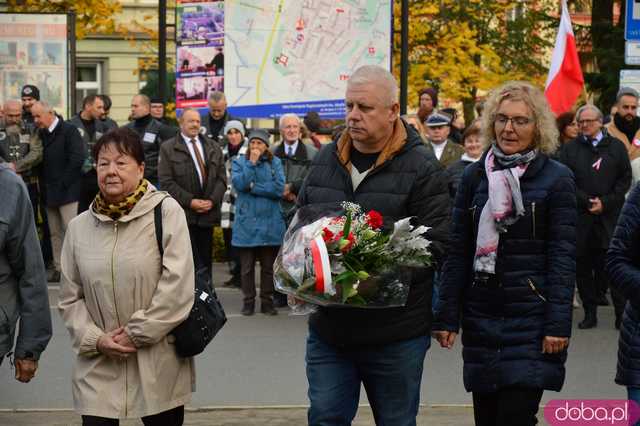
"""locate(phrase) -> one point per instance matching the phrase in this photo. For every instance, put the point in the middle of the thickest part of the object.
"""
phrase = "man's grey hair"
(589, 107)
(15, 102)
(45, 106)
(144, 98)
(627, 91)
(186, 110)
(289, 115)
(384, 81)
(217, 96)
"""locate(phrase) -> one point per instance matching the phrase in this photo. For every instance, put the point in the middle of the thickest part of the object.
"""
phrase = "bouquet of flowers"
(347, 259)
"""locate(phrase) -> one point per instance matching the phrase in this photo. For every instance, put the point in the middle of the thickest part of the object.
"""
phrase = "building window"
(88, 81)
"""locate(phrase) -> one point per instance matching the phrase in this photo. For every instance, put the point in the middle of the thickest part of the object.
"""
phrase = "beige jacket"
(112, 276)
(632, 148)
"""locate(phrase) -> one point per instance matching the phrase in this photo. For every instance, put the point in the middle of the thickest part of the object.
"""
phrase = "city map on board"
(295, 56)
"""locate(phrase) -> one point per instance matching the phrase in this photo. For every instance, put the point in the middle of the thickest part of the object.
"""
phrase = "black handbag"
(206, 317)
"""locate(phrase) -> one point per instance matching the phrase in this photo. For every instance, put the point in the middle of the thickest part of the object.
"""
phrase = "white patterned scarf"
(504, 206)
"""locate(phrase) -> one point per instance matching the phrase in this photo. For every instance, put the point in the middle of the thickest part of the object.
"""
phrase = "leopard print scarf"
(116, 211)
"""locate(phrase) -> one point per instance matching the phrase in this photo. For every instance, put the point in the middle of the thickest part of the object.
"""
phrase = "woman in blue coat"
(258, 227)
(623, 266)
(508, 280)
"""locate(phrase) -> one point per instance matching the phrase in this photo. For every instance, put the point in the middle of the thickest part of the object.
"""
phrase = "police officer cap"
(437, 119)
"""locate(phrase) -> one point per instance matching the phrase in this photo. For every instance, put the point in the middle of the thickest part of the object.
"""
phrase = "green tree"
(92, 16)
(463, 47)
(607, 40)
(152, 89)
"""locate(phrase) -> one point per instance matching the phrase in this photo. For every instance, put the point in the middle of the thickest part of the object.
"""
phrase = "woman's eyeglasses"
(517, 122)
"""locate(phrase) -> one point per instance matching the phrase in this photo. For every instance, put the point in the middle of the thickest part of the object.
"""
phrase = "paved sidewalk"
(432, 416)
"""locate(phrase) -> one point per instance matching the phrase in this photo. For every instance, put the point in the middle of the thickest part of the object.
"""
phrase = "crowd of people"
(503, 198)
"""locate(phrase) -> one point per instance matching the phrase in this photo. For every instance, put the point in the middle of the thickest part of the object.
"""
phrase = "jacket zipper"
(533, 217)
(115, 305)
(473, 218)
(535, 290)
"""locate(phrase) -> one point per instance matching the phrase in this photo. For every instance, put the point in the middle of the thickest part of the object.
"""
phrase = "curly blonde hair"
(546, 132)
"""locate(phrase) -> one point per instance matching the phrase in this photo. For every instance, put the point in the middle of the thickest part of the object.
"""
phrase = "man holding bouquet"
(380, 163)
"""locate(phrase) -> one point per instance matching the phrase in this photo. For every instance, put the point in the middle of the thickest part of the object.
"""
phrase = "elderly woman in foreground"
(120, 298)
(509, 277)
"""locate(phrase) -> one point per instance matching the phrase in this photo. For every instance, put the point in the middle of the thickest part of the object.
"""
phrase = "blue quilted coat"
(503, 326)
(623, 265)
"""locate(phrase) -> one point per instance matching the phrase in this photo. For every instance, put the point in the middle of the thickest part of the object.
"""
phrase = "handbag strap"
(157, 220)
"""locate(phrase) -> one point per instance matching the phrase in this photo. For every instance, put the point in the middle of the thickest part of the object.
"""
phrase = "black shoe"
(233, 282)
(603, 301)
(248, 309)
(280, 301)
(269, 310)
(590, 321)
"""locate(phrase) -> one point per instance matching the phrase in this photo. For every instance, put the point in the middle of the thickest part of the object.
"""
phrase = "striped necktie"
(203, 170)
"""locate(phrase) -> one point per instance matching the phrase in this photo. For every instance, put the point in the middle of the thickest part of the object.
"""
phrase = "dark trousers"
(202, 246)
(42, 224)
(266, 255)
(174, 417)
(512, 406)
(39, 216)
(89, 190)
(232, 254)
(590, 273)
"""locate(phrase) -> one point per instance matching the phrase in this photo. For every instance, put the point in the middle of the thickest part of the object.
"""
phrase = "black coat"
(214, 130)
(454, 175)
(178, 176)
(504, 326)
(152, 133)
(609, 179)
(412, 183)
(62, 160)
(623, 266)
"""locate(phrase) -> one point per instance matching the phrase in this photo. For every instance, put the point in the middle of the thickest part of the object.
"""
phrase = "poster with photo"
(8, 53)
(200, 23)
(193, 92)
(200, 53)
(34, 49)
(200, 59)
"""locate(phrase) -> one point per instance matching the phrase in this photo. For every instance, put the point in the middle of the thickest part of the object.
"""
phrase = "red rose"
(327, 235)
(374, 219)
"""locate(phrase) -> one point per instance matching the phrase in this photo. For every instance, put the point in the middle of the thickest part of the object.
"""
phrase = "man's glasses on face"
(587, 121)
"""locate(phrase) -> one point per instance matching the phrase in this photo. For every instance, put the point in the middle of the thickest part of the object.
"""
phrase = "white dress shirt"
(187, 140)
(438, 148)
(54, 124)
(290, 148)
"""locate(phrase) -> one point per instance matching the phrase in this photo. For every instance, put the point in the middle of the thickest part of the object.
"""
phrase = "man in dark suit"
(191, 169)
(602, 171)
(61, 174)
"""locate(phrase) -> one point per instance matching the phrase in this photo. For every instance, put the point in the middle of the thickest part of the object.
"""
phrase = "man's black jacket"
(410, 182)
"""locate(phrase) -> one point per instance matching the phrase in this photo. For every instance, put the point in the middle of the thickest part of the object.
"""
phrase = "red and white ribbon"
(322, 267)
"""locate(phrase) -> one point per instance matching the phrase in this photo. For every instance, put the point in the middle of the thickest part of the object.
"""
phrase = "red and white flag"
(565, 81)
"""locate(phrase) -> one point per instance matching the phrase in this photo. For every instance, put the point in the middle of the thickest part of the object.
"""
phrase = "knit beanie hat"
(31, 91)
(263, 135)
(234, 124)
